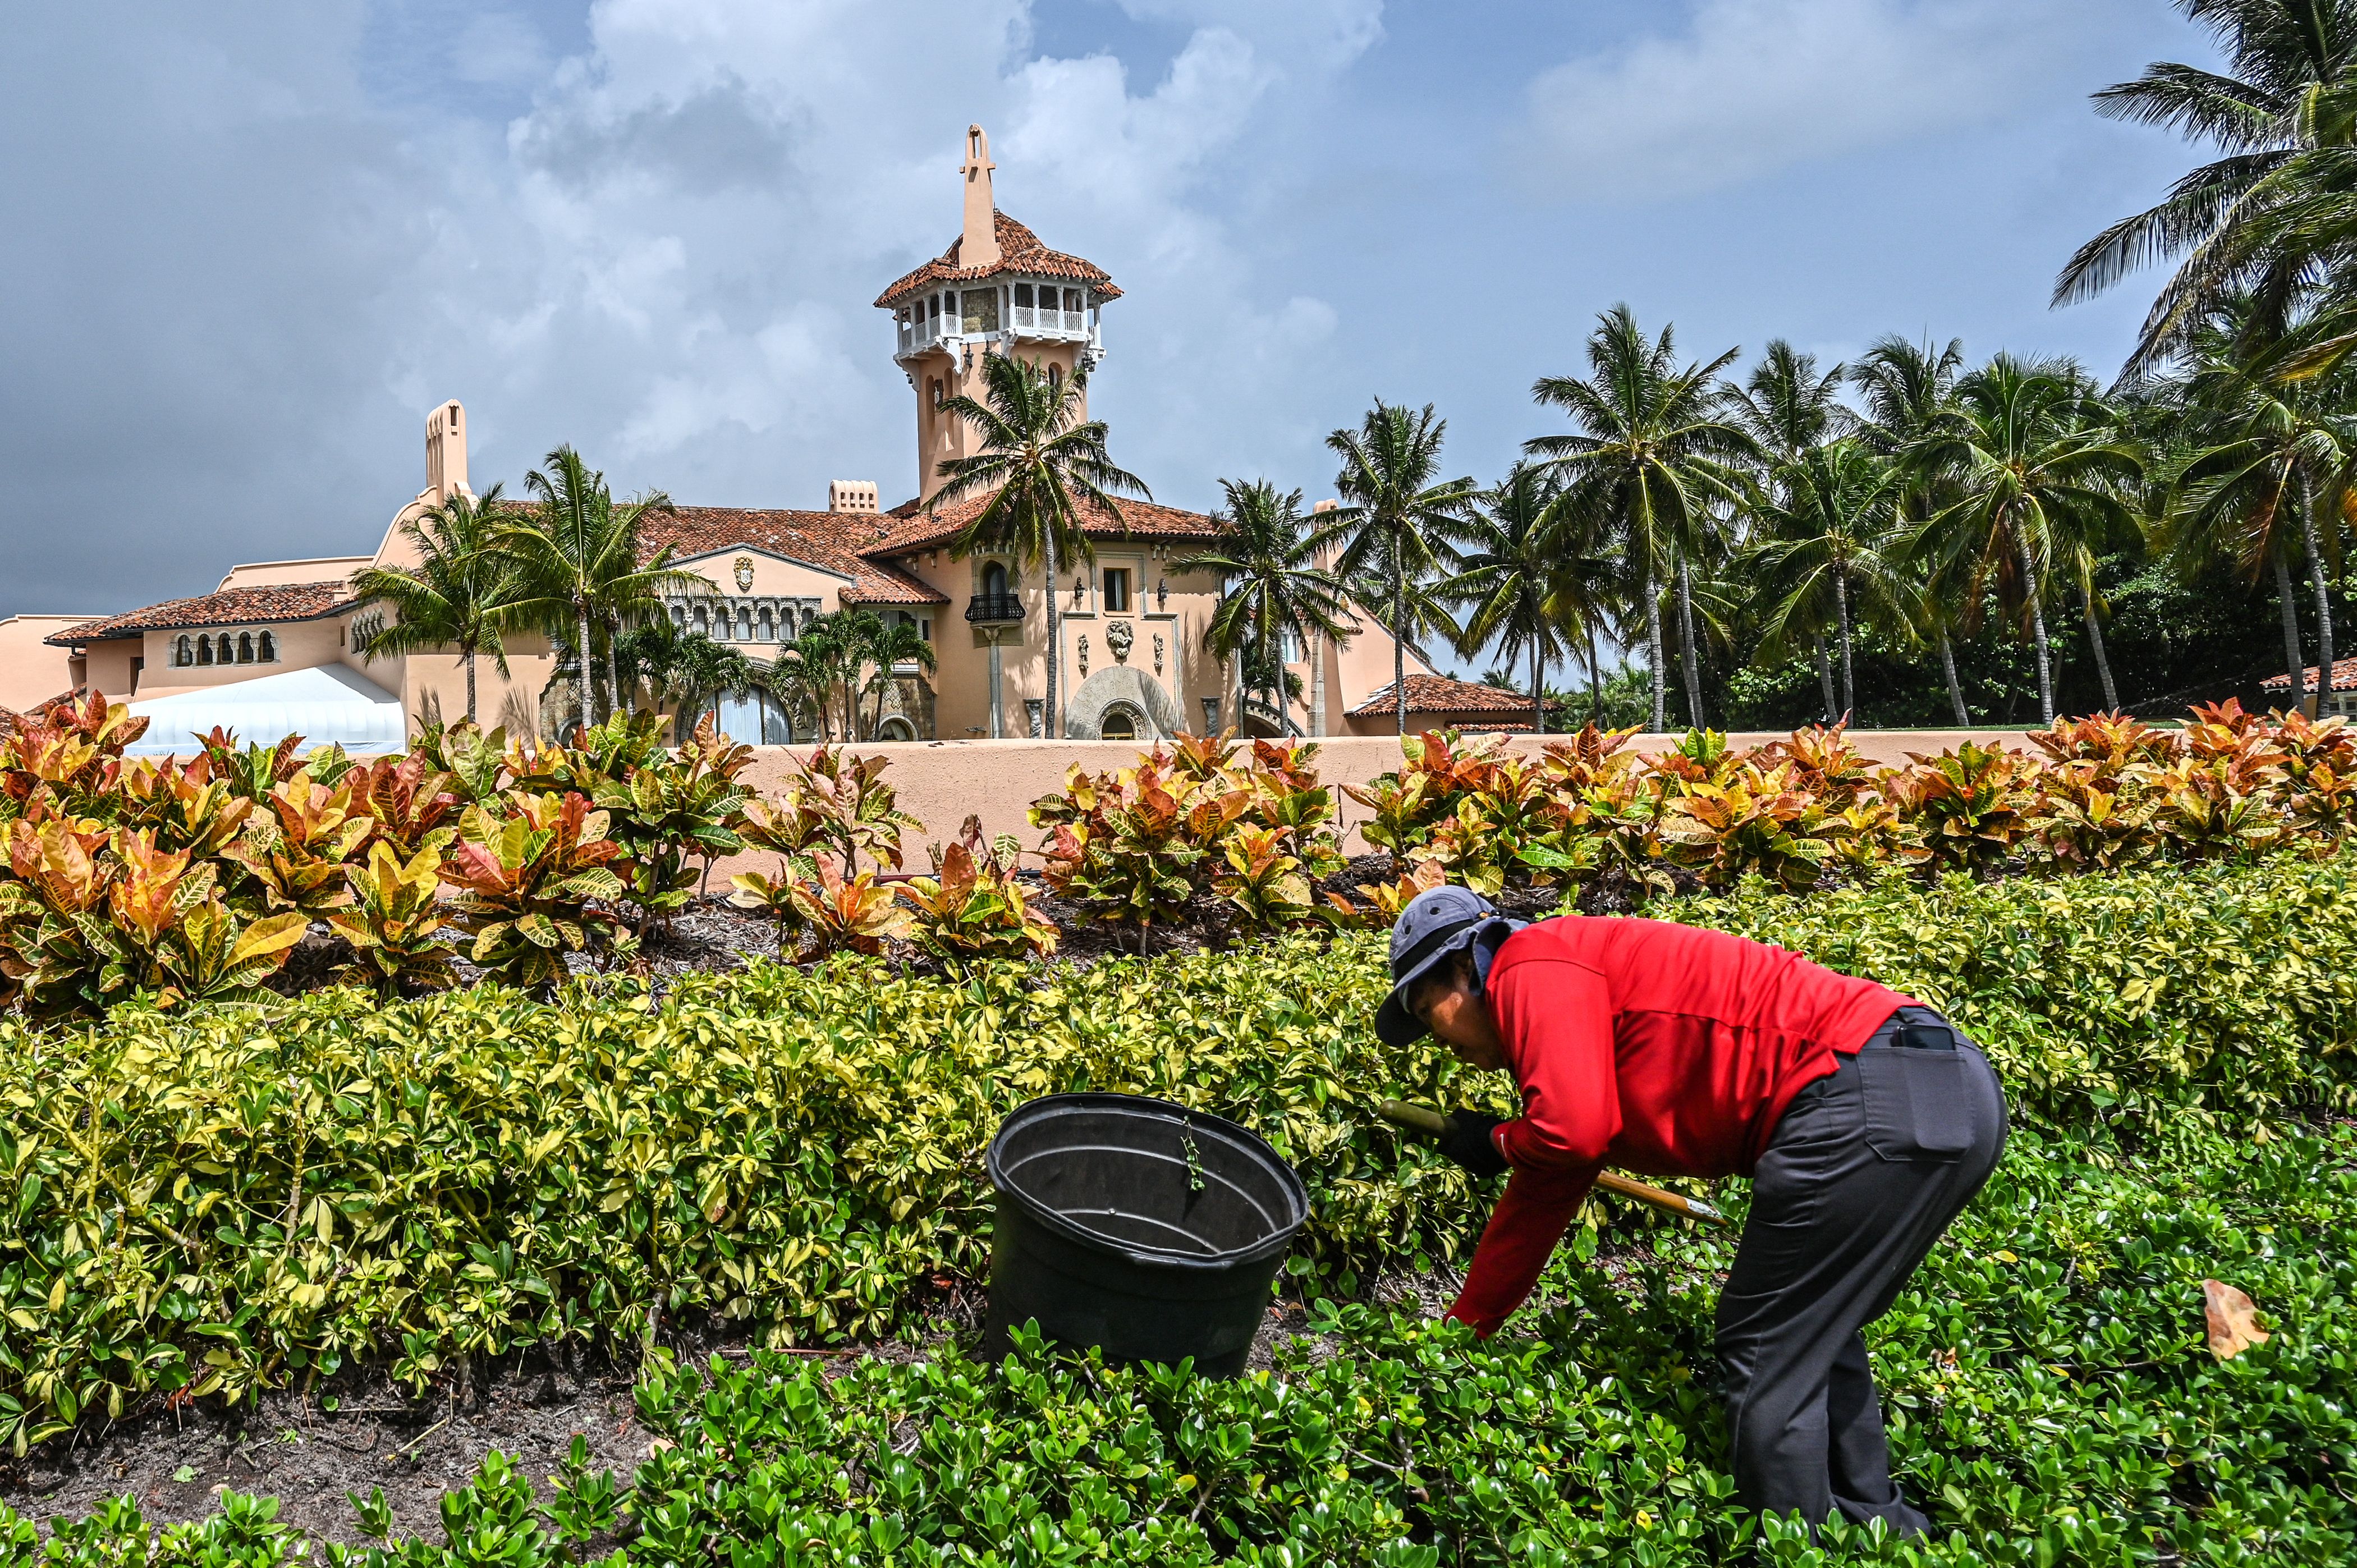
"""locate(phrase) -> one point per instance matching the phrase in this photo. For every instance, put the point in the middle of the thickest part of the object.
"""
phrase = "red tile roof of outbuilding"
(2344, 678)
(1439, 694)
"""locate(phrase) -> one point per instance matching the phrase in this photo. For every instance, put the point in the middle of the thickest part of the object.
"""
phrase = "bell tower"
(996, 290)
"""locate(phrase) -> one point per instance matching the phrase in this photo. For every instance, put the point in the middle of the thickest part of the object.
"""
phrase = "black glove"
(1468, 1144)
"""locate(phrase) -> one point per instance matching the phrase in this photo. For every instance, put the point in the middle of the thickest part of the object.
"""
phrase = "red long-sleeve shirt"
(1650, 1046)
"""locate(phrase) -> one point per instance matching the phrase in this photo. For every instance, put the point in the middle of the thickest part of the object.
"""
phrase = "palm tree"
(1521, 584)
(1043, 465)
(1273, 586)
(2032, 457)
(684, 670)
(461, 594)
(2275, 214)
(1789, 406)
(1656, 446)
(2271, 451)
(823, 665)
(1908, 388)
(1832, 537)
(889, 646)
(579, 554)
(1395, 522)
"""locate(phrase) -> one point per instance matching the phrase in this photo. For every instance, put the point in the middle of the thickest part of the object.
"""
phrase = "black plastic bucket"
(1137, 1226)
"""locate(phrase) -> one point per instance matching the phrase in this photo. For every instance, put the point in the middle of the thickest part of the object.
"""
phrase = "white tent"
(327, 703)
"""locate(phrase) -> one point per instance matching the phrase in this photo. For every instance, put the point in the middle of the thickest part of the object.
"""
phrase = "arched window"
(204, 649)
(993, 580)
(679, 617)
(768, 624)
(268, 653)
(245, 647)
(1120, 724)
(227, 649)
(1055, 375)
(702, 621)
(184, 652)
(744, 623)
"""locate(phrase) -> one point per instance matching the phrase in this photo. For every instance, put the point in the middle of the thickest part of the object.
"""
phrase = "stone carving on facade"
(744, 574)
(1119, 636)
(1157, 653)
(1084, 653)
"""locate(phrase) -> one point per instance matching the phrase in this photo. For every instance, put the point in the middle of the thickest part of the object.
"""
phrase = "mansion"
(272, 648)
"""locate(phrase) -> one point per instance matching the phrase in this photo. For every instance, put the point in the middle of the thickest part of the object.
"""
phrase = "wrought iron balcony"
(985, 608)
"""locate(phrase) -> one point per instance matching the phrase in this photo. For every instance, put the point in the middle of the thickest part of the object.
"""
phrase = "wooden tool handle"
(1418, 1118)
(1439, 1124)
(1660, 1197)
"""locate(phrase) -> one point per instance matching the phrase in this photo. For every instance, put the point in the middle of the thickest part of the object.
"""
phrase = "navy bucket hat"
(1437, 922)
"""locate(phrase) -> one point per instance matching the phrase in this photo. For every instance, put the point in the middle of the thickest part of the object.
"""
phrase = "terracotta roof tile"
(910, 526)
(1439, 694)
(1020, 250)
(831, 541)
(232, 606)
(2344, 678)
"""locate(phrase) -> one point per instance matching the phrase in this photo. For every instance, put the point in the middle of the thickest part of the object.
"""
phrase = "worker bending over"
(1864, 1121)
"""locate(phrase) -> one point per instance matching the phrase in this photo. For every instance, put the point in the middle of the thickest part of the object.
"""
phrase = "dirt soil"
(531, 1406)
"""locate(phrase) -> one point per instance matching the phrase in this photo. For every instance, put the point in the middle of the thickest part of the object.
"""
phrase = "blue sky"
(256, 244)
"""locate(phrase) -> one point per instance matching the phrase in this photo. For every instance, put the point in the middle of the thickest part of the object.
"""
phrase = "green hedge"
(249, 1194)
(2049, 1396)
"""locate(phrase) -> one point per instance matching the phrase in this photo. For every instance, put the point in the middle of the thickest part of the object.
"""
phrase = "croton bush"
(194, 880)
(2105, 793)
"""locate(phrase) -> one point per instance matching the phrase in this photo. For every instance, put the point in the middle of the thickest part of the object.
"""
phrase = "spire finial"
(978, 245)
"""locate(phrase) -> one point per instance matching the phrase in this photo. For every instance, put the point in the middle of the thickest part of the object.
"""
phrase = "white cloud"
(1754, 86)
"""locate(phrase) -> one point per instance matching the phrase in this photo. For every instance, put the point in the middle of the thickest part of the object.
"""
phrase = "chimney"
(978, 244)
(851, 495)
(445, 453)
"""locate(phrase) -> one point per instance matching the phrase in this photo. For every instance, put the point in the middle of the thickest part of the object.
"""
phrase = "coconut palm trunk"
(2037, 631)
(1955, 689)
(1692, 661)
(1538, 689)
(2284, 599)
(1653, 653)
(2095, 642)
(1595, 682)
(2323, 591)
(470, 685)
(1399, 641)
(581, 661)
(1849, 667)
(1049, 726)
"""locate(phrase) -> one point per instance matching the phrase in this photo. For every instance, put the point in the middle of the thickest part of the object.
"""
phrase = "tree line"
(1907, 504)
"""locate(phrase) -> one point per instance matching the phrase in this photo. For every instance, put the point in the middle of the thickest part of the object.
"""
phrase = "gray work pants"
(1865, 1170)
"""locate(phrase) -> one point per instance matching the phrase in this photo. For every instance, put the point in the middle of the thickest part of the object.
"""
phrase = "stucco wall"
(942, 781)
(30, 671)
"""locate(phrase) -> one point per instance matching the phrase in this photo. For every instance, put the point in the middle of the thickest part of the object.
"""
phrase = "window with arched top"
(1055, 375)
(679, 617)
(227, 649)
(204, 649)
(768, 624)
(245, 647)
(744, 623)
(993, 580)
(702, 621)
(268, 651)
(184, 652)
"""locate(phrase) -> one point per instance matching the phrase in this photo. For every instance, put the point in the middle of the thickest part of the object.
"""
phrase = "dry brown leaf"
(2233, 1320)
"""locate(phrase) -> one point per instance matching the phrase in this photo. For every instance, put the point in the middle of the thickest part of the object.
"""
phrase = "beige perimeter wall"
(942, 781)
